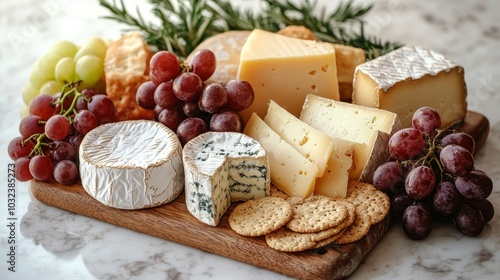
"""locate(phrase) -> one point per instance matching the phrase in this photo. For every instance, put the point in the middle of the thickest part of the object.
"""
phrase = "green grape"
(48, 63)
(64, 48)
(97, 45)
(65, 70)
(29, 92)
(89, 69)
(83, 52)
(25, 111)
(51, 87)
(37, 77)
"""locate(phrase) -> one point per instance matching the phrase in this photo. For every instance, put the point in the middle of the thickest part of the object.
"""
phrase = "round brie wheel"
(132, 164)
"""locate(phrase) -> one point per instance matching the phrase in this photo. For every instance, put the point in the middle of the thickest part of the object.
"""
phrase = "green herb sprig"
(184, 24)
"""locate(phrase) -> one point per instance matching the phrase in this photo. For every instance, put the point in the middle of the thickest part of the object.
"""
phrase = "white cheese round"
(222, 167)
(132, 164)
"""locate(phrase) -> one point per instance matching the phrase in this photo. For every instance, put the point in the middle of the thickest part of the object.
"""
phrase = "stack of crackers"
(293, 224)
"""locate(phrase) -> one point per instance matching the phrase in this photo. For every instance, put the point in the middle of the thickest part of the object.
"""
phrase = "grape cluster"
(431, 176)
(64, 63)
(183, 100)
(50, 135)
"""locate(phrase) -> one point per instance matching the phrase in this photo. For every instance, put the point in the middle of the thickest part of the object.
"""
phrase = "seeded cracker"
(358, 229)
(260, 216)
(316, 215)
(376, 203)
(286, 240)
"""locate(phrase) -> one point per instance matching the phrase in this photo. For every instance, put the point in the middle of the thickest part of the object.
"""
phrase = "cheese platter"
(167, 221)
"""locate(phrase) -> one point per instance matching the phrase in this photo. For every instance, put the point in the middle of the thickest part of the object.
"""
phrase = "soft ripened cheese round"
(221, 167)
(132, 164)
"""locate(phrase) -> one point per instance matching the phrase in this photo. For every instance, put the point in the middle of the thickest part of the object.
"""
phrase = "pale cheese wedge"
(290, 171)
(310, 142)
(369, 128)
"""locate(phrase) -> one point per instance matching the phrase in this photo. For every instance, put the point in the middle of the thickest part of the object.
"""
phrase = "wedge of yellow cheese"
(290, 171)
(286, 70)
(409, 78)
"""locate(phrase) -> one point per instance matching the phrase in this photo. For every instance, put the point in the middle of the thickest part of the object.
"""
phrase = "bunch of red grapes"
(185, 102)
(52, 133)
(431, 176)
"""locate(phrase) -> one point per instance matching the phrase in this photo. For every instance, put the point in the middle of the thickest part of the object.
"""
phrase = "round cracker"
(260, 216)
(376, 203)
(358, 229)
(286, 240)
(316, 215)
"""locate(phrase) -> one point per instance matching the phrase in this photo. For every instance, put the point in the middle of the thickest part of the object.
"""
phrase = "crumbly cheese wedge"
(132, 164)
(369, 128)
(286, 70)
(222, 167)
(334, 182)
(409, 78)
(310, 142)
(290, 171)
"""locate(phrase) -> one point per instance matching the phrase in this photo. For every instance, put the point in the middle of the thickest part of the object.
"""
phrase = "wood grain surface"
(168, 221)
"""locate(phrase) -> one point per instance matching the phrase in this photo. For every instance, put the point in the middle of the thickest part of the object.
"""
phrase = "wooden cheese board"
(167, 221)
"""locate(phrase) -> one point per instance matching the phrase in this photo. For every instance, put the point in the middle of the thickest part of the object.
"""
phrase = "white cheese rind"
(409, 78)
(221, 167)
(132, 164)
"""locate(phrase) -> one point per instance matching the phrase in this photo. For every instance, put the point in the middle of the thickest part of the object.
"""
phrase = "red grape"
(41, 167)
(399, 202)
(461, 139)
(191, 109)
(31, 125)
(164, 66)
(203, 64)
(187, 86)
(417, 221)
(145, 95)
(81, 103)
(68, 100)
(66, 172)
(457, 160)
(171, 117)
(190, 128)
(22, 169)
(213, 98)
(225, 121)
(240, 95)
(469, 220)
(84, 122)
(427, 120)
(446, 199)
(75, 141)
(474, 186)
(420, 182)
(387, 176)
(61, 150)
(485, 207)
(42, 106)
(102, 107)
(406, 143)
(57, 127)
(164, 96)
(16, 149)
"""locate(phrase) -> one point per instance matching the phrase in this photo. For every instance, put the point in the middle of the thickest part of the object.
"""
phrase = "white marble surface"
(55, 244)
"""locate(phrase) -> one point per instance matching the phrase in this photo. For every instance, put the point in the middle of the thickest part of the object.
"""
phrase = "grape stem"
(68, 89)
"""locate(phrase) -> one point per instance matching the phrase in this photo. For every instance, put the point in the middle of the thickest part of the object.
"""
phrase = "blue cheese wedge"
(222, 167)
(132, 164)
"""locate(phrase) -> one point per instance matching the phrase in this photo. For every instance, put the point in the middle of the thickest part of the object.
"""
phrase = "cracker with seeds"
(260, 216)
(376, 203)
(358, 229)
(316, 215)
(286, 240)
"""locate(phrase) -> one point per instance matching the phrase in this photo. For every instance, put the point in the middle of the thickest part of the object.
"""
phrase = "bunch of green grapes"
(64, 63)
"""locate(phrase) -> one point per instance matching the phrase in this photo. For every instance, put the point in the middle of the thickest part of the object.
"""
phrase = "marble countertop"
(55, 244)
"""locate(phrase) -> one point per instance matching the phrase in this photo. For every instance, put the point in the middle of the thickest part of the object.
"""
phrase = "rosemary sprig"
(187, 23)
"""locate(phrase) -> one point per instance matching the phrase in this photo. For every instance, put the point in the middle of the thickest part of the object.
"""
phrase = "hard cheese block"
(409, 78)
(222, 167)
(286, 70)
(368, 128)
(310, 142)
(290, 171)
(132, 164)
